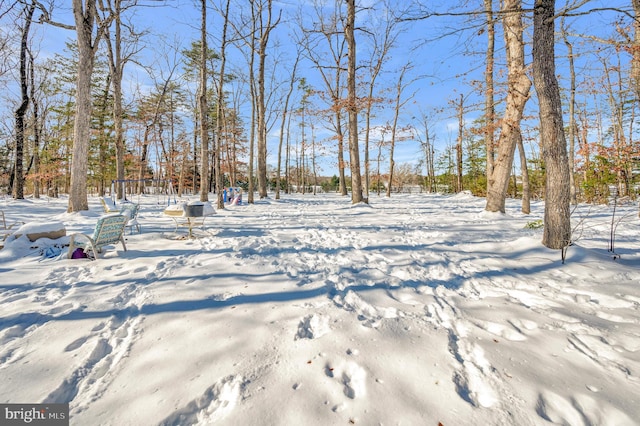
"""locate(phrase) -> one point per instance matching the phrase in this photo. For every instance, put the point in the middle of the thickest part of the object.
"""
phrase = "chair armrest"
(72, 243)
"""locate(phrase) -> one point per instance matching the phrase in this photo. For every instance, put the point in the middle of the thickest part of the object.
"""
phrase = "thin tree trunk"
(394, 126)
(116, 67)
(459, 186)
(489, 108)
(254, 100)
(572, 118)
(285, 114)
(526, 191)
(18, 187)
(37, 131)
(341, 163)
(635, 60)
(220, 113)
(265, 30)
(352, 108)
(204, 107)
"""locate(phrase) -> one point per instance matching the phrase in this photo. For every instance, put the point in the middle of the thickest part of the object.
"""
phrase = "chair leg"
(72, 247)
(95, 249)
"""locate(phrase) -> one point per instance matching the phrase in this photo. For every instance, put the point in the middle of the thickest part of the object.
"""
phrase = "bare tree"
(325, 47)
(489, 102)
(89, 28)
(220, 110)
(517, 96)
(557, 220)
(265, 26)
(6, 8)
(572, 113)
(526, 189)
(118, 57)
(383, 34)
(635, 64)
(352, 105)
(398, 104)
(203, 106)
(18, 187)
(38, 126)
(459, 184)
(285, 114)
(427, 142)
(158, 99)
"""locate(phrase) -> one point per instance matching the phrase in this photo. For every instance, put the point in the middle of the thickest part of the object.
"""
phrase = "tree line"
(207, 119)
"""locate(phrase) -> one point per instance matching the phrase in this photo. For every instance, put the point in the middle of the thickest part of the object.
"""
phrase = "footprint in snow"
(579, 409)
(313, 327)
(213, 405)
(351, 375)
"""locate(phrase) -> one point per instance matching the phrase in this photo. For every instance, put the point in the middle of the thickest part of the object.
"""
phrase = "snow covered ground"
(414, 310)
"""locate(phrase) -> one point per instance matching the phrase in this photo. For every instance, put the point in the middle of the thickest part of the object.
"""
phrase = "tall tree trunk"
(84, 13)
(635, 60)
(489, 107)
(142, 171)
(383, 38)
(352, 105)
(314, 169)
(557, 220)
(261, 108)
(254, 106)
(572, 118)
(394, 127)
(326, 26)
(342, 179)
(204, 107)
(220, 114)
(37, 130)
(526, 190)
(116, 67)
(18, 187)
(517, 96)
(265, 30)
(459, 186)
(285, 114)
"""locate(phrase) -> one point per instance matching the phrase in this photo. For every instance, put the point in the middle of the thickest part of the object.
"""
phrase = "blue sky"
(446, 59)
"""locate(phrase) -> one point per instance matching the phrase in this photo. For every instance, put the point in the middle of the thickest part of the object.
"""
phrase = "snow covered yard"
(414, 310)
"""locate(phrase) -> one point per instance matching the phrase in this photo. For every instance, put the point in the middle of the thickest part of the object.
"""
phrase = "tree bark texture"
(220, 114)
(519, 86)
(489, 107)
(459, 185)
(265, 30)
(18, 182)
(526, 189)
(204, 108)
(557, 221)
(572, 118)
(635, 52)
(354, 149)
(85, 21)
(116, 67)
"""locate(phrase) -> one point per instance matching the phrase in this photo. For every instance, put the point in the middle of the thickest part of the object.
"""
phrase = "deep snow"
(414, 310)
